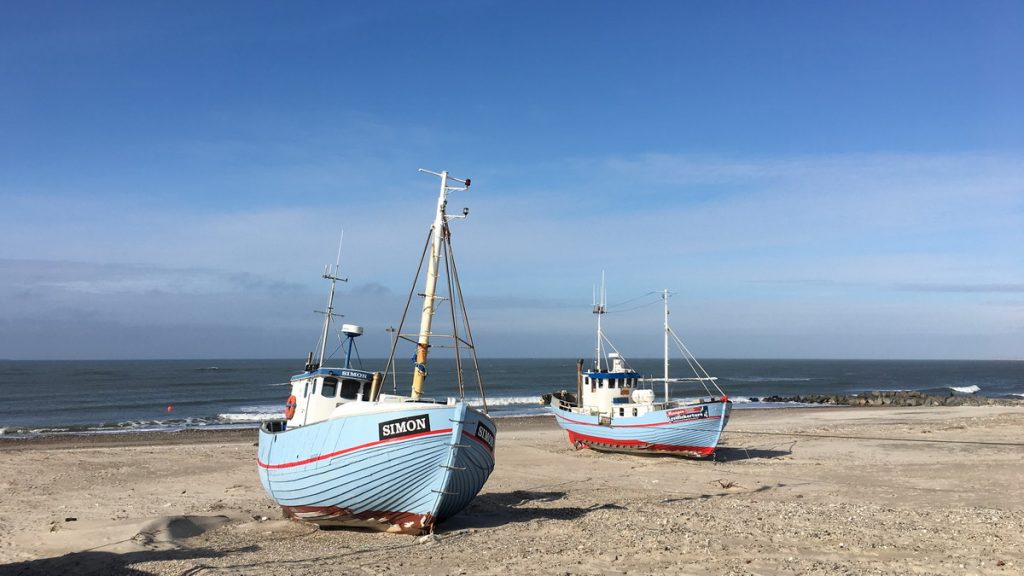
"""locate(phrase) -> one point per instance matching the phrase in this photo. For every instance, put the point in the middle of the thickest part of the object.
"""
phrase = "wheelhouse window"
(329, 389)
(350, 388)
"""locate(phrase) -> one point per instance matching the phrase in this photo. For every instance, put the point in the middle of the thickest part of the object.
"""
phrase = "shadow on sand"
(96, 563)
(501, 508)
(723, 494)
(733, 454)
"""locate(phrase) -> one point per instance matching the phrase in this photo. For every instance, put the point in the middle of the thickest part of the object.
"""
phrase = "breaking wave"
(504, 400)
(249, 416)
(756, 379)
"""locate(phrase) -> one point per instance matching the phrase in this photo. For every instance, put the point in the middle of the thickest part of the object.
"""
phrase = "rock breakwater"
(892, 398)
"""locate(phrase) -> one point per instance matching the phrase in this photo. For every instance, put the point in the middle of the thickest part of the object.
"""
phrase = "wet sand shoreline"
(187, 436)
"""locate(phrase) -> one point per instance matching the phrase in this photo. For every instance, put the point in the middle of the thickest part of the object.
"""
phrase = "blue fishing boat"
(348, 454)
(614, 408)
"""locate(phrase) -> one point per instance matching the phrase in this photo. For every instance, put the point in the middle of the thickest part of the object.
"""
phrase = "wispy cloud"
(786, 246)
(891, 218)
(964, 288)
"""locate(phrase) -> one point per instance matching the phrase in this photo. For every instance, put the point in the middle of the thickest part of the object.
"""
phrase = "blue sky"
(811, 180)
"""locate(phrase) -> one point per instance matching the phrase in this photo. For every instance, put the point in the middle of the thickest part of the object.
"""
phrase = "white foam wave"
(249, 416)
(255, 408)
(965, 389)
(1016, 394)
(767, 379)
(254, 413)
(505, 400)
(136, 426)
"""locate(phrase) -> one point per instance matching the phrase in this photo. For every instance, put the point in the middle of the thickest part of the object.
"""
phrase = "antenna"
(337, 261)
(333, 277)
(604, 293)
(599, 309)
(664, 297)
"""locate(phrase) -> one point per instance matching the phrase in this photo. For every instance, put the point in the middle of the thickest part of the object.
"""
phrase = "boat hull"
(400, 469)
(692, 430)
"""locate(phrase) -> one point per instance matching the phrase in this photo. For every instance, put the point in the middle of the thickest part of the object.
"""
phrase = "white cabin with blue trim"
(317, 393)
(615, 392)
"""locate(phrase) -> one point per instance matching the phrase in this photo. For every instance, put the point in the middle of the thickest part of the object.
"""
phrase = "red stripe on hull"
(637, 445)
(665, 423)
(262, 464)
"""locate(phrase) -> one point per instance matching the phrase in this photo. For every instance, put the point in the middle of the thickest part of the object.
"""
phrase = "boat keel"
(383, 521)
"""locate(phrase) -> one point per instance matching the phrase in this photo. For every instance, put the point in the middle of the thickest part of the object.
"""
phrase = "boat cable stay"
(700, 374)
(439, 244)
(603, 342)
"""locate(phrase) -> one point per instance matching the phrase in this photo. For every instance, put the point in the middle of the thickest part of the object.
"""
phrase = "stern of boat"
(269, 429)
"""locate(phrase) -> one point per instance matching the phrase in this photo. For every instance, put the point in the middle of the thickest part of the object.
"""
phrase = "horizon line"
(574, 358)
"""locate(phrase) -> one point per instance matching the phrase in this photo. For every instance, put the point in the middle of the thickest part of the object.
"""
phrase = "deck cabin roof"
(610, 375)
(337, 373)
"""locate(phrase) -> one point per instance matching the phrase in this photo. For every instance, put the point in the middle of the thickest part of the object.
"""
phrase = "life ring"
(289, 407)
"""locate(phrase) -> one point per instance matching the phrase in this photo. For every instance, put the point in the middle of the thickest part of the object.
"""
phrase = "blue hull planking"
(691, 430)
(400, 469)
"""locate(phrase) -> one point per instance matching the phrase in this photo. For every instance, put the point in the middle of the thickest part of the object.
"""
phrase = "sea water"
(128, 395)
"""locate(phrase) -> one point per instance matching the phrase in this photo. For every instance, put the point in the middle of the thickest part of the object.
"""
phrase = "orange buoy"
(289, 407)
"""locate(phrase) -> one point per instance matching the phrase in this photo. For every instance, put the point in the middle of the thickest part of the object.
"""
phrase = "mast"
(664, 297)
(439, 231)
(393, 337)
(331, 275)
(599, 309)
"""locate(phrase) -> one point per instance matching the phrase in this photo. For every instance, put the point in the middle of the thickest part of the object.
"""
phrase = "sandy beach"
(934, 490)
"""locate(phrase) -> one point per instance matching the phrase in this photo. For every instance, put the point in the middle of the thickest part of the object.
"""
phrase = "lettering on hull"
(404, 427)
(486, 434)
(695, 413)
